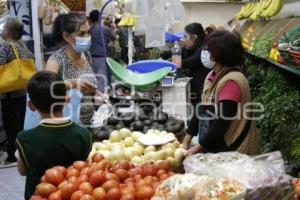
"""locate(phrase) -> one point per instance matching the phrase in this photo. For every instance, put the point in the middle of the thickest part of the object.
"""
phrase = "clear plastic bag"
(263, 175)
(174, 11)
(155, 29)
(190, 186)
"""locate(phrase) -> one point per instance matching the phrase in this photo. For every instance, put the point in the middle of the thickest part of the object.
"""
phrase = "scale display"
(168, 81)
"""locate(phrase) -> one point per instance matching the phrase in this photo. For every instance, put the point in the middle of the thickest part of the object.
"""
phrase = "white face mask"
(206, 59)
(82, 44)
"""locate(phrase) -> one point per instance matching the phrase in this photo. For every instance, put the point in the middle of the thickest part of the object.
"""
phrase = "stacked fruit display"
(260, 9)
(124, 145)
(143, 122)
(100, 179)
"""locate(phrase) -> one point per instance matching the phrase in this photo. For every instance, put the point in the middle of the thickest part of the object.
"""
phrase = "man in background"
(98, 50)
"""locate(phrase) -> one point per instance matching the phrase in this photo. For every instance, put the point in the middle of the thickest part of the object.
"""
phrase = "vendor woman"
(222, 123)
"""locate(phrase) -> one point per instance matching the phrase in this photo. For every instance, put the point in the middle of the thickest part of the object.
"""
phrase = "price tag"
(168, 81)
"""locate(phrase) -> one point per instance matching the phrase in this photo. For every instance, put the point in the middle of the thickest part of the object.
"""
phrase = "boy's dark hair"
(196, 29)
(94, 16)
(46, 88)
(225, 48)
(15, 28)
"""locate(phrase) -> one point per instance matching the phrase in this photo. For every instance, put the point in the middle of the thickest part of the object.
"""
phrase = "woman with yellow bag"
(13, 53)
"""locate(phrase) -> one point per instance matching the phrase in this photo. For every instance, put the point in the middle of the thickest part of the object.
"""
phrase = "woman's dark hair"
(15, 28)
(69, 23)
(45, 89)
(225, 48)
(196, 29)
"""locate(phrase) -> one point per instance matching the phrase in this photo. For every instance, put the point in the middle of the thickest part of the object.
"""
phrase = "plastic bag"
(190, 186)
(32, 119)
(174, 11)
(155, 29)
(263, 175)
(102, 114)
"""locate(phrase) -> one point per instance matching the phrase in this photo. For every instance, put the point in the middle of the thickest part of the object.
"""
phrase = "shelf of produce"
(291, 69)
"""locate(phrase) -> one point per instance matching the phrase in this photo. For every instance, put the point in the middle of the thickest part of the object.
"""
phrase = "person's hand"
(100, 98)
(194, 150)
(86, 87)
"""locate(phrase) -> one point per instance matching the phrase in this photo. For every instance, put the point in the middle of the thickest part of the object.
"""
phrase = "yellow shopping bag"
(15, 74)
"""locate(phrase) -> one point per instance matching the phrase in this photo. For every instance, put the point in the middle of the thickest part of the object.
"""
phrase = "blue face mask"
(82, 44)
(206, 59)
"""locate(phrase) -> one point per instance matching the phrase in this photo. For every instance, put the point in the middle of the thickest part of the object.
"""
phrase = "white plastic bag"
(263, 175)
(155, 29)
(142, 13)
(174, 11)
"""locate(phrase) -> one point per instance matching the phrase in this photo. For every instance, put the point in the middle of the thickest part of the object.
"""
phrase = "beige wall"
(208, 13)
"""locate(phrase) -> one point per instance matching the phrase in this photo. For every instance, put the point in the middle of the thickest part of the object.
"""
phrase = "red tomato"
(128, 190)
(135, 171)
(97, 178)
(83, 178)
(145, 192)
(131, 165)
(79, 165)
(71, 171)
(77, 195)
(87, 197)
(37, 197)
(62, 169)
(114, 194)
(62, 184)
(149, 180)
(137, 177)
(140, 183)
(148, 170)
(114, 168)
(110, 176)
(124, 165)
(85, 171)
(122, 174)
(149, 162)
(68, 189)
(54, 176)
(163, 177)
(55, 196)
(128, 196)
(160, 172)
(99, 193)
(108, 185)
(97, 157)
(129, 181)
(43, 179)
(164, 165)
(45, 189)
(74, 180)
(86, 187)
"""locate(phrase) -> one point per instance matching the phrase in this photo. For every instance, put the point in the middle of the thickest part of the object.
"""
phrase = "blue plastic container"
(146, 66)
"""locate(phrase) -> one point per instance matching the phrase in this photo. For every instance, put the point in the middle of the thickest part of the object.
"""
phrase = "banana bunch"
(258, 9)
(273, 9)
(246, 11)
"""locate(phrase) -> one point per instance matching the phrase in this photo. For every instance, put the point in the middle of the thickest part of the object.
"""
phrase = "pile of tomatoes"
(296, 183)
(99, 179)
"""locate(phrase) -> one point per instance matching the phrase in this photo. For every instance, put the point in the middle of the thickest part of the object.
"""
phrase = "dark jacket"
(191, 60)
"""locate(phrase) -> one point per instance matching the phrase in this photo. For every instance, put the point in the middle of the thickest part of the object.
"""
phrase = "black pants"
(124, 54)
(13, 114)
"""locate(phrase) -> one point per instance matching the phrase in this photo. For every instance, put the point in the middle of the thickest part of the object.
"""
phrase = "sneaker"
(7, 164)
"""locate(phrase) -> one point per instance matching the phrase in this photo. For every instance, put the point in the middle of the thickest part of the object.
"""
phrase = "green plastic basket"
(141, 82)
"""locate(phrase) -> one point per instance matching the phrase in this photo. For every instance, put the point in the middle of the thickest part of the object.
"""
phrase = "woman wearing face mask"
(72, 62)
(224, 117)
(191, 54)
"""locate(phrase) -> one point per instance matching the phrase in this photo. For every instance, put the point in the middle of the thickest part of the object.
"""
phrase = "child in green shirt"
(56, 141)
